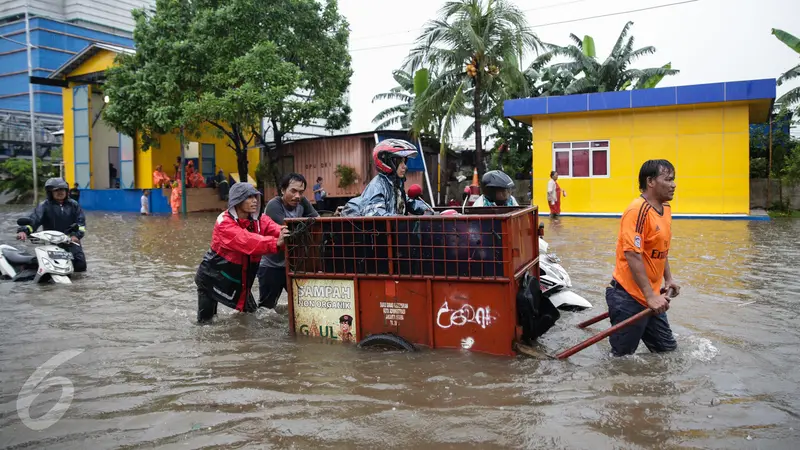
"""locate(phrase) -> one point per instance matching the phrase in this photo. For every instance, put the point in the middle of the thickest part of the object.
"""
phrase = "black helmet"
(497, 179)
(54, 184)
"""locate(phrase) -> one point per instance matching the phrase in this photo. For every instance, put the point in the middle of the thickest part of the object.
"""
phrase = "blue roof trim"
(645, 98)
(609, 100)
(764, 89)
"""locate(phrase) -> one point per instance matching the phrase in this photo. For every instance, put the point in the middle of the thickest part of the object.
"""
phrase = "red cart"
(405, 281)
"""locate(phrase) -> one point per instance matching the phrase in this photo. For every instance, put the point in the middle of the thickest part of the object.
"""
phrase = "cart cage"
(483, 243)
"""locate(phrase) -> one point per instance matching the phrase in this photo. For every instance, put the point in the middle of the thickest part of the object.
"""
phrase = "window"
(582, 159)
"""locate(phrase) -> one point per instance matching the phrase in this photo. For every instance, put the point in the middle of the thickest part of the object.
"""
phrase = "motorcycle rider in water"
(496, 187)
(385, 194)
(59, 213)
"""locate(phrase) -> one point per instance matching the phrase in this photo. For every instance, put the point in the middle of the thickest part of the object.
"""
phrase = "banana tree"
(615, 72)
(791, 98)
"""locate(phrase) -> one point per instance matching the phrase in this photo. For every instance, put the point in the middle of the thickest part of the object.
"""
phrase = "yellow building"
(91, 145)
(598, 142)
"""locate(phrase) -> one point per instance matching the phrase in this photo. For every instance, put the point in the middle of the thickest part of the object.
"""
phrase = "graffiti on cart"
(447, 317)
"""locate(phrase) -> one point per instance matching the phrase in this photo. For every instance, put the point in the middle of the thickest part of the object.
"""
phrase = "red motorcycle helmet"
(384, 154)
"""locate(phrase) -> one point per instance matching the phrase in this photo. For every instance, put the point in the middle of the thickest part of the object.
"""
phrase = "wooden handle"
(602, 335)
(593, 320)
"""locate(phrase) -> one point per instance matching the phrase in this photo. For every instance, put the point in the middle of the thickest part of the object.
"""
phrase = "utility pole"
(769, 168)
(184, 193)
(30, 99)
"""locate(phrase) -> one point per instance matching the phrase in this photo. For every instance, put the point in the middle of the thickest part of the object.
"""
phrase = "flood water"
(144, 375)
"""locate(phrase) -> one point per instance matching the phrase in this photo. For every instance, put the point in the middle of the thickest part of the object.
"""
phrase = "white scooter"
(555, 281)
(51, 261)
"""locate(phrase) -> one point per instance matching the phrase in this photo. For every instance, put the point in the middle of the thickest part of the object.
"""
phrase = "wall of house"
(68, 147)
(103, 137)
(143, 166)
(709, 146)
(168, 151)
(319, 157)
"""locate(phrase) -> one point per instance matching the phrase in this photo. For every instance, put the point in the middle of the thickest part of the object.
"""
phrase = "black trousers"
(206, 306)
(78, 258)
(271, 283)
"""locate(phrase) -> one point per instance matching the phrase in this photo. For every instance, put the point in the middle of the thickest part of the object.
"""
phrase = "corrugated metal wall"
(319, 158)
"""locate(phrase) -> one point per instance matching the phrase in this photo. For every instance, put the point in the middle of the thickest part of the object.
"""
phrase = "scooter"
(554, 280)
(51, 262)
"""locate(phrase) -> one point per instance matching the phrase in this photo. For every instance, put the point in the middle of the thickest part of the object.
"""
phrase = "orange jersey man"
(642, 264)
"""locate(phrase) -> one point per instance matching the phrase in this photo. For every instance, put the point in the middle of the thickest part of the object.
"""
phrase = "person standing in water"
(239, 240)
(290, 203)
(554, 194)
(145, 202)
(642, 264)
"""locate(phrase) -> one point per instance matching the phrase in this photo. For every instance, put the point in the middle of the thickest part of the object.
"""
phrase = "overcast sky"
(707, 40)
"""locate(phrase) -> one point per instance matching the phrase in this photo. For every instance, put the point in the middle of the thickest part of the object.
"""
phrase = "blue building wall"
(58, 42)
(123, 200)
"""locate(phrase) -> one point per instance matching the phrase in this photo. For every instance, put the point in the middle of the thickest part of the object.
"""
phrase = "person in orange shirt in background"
(160, 178)
(175, 197)
(642, 264)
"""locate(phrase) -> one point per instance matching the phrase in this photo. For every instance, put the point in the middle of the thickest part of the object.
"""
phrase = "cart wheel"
(385, 341)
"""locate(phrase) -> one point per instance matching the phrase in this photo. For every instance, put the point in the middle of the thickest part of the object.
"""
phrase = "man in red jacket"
(239, 240)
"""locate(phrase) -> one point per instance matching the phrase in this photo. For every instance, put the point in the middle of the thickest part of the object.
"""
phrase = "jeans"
(271, 283)
(654, 331)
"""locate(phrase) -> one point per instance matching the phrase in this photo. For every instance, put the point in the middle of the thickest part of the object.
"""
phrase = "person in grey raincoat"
(385, 195)
(240, 238)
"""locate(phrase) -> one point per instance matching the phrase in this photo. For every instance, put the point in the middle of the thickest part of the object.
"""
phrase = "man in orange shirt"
(642, 250)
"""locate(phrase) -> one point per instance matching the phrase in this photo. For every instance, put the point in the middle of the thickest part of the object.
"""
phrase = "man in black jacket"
(59, 213)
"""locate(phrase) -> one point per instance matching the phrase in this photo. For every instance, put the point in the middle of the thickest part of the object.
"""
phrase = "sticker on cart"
(393, 312)
(325, 308)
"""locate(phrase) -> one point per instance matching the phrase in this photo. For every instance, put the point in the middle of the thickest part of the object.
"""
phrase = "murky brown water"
(148, 377)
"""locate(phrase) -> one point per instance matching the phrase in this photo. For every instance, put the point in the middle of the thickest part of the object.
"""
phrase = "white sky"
(707, 40)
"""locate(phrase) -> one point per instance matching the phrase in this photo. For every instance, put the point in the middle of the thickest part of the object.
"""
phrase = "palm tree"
(469, 45)
(792, 97)
(400, 113)
(614, 73)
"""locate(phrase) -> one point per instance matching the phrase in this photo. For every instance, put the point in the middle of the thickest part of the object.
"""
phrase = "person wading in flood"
(554, 194)
(289, 204)
(239, 240)
(643, 245)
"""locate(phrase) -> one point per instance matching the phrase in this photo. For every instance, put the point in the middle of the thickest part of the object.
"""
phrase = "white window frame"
(591, 159)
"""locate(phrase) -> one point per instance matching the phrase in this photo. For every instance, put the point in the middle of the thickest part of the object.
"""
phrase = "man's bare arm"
(667, 271)
(655, 301)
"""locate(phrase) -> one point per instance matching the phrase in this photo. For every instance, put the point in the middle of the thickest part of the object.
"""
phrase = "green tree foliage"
(469, 45)
(614, 73)
(782, 146)
(399, 114)
(16, 177)
(791, 98)
(227, 64)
